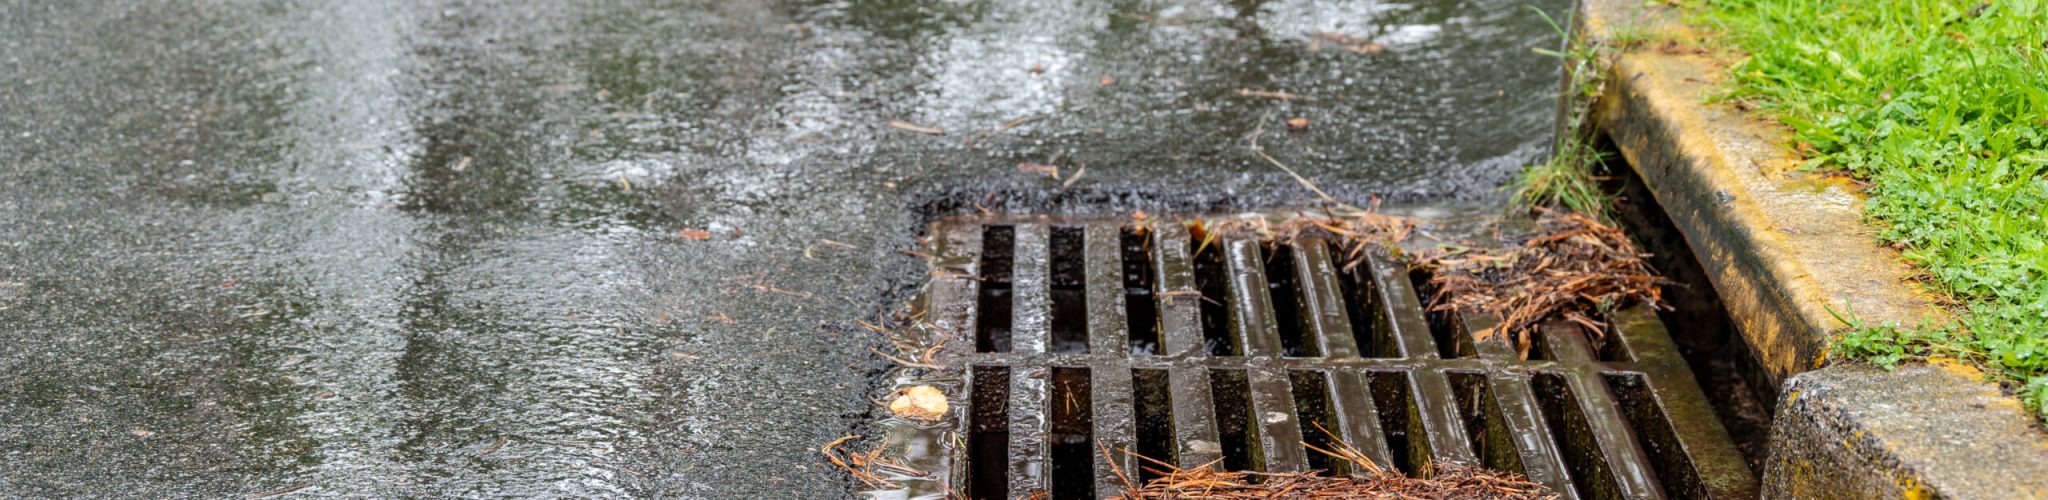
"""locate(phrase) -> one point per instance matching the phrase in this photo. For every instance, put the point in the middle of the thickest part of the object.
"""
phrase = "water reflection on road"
(390, 248)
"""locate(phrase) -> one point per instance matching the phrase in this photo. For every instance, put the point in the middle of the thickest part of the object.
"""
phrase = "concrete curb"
(1787, 251)
(1855, 431)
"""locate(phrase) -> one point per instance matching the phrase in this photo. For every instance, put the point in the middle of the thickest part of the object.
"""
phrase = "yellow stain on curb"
(1953, 367)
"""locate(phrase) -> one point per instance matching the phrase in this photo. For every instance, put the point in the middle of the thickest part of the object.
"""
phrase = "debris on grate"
(1370, 480)
(1225, 344)
(1447, 481)
(1354, 231)
(1574, 267)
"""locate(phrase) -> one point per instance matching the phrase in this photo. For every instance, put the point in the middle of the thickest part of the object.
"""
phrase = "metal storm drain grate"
(1093, 335)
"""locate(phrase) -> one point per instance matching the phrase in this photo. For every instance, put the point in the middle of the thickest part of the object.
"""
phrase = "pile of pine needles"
(1449, 481)
(1574, 268)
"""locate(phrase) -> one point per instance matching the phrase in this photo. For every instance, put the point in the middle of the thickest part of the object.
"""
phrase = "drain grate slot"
(998, 262)
(1154, 411)
(1317, 416)
(1285, 291)
(1540, 350)
(1212, 281)
(1486, 433)
(1582, 456)
(988, 434)
(1141, 310)
(1192, 349)
(1229, 390)
(1071, 443)
(1618, 351)
(1370, 330)
(1444, 328)
(1397, 420)
(1068, 285)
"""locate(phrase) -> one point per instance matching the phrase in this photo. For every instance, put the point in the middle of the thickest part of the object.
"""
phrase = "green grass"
(1565, 180)
(1942, 107)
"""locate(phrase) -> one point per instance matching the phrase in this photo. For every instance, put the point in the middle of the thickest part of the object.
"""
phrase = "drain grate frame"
(1031, 304)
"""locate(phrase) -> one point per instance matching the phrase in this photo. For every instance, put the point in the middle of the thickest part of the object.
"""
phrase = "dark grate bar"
(1251, 310)
(1236, 354)
(1441, 424)
(1180, 302)
(1322, 302)
(1194, 418)
(1028, 429)
(1279, 432)
(1031, 300)
(1618, 450)
(1521, 421)
(1695, 447)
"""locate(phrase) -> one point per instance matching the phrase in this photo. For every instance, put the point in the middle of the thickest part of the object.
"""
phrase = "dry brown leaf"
(1356, 45)
(922, 403)
(1040, 169)
(695, 234)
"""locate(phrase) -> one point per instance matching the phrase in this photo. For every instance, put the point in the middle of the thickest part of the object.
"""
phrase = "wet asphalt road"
(384, 248)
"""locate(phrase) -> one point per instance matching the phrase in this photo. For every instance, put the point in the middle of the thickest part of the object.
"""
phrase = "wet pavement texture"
(382, 248)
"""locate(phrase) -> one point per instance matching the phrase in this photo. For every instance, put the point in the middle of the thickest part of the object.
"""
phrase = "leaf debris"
(1448, 481)
(863, 465)
(1044, 169)
(1574, 267)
